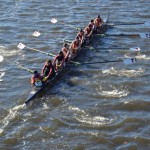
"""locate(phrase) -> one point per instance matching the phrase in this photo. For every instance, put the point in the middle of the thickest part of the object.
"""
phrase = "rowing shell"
(38, 91)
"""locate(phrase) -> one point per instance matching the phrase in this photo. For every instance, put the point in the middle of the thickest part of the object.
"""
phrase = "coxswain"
(98, 22)
(66, 51)
(59, 61)
(81, 36)
(48, 71)
(75, 45)
(36, 79)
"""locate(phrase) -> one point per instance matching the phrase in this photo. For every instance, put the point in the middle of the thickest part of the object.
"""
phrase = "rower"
(98, 22)
(48, 70)
(81, 36)
(75, 45)
(91, 24)
(36, 79)
(88, 31)
(59, 61)
(66, 51)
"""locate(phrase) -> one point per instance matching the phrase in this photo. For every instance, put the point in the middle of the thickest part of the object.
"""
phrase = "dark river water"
(98, 106)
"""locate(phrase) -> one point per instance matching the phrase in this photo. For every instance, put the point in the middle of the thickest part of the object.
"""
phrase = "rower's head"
(81, 31)
(60, 53)
(35, 73)
(48, 62)
(92, 20)
(65, 45)
(98, 16)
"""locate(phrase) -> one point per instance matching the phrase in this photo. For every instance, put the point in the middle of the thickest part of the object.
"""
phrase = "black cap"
(81, 30)
(60, 53)
(49, 61)
(65, 44)
(92, 20)
(35, 72)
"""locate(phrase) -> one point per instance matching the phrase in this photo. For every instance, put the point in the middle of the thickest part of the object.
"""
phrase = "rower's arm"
(42, 72)
(50, 72)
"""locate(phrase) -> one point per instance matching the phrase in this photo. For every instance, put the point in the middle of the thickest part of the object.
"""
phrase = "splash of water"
(123, 72)
(1, 58)
(114, 93)
(86, 118)
(11, 115)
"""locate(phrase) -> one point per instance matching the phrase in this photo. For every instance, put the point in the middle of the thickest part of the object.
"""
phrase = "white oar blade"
(135, 49)
(21, 46)
(105, 20)
(129, 61)
(147, 23)
(1, 58)
(53, 20)
(36, 34)
(145, 35)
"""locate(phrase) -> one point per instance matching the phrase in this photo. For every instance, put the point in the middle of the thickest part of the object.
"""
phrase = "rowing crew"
(50, 68)
(67, 53)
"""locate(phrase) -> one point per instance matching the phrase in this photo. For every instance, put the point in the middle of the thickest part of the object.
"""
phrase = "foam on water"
(114, 93)
(10, 116)
(139, 56)
(123, 72)
(45, 106)
(1, 75)
(84, 117)
(9, 52)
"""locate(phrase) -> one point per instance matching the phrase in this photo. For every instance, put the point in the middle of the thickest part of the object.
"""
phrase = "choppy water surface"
(98, 107)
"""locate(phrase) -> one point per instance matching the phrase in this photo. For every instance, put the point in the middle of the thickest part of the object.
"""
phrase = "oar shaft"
(49, 54)
(122, 34)
(20, 66)
(124, 23)
(102, 62)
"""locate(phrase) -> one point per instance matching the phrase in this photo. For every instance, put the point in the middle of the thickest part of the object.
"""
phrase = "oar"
(133, 49)
(54, 20)
(16, 63)
(147, 23)
(22, 46)
(121, 34)
(125, 61)
(36, 34)
(141, 35)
